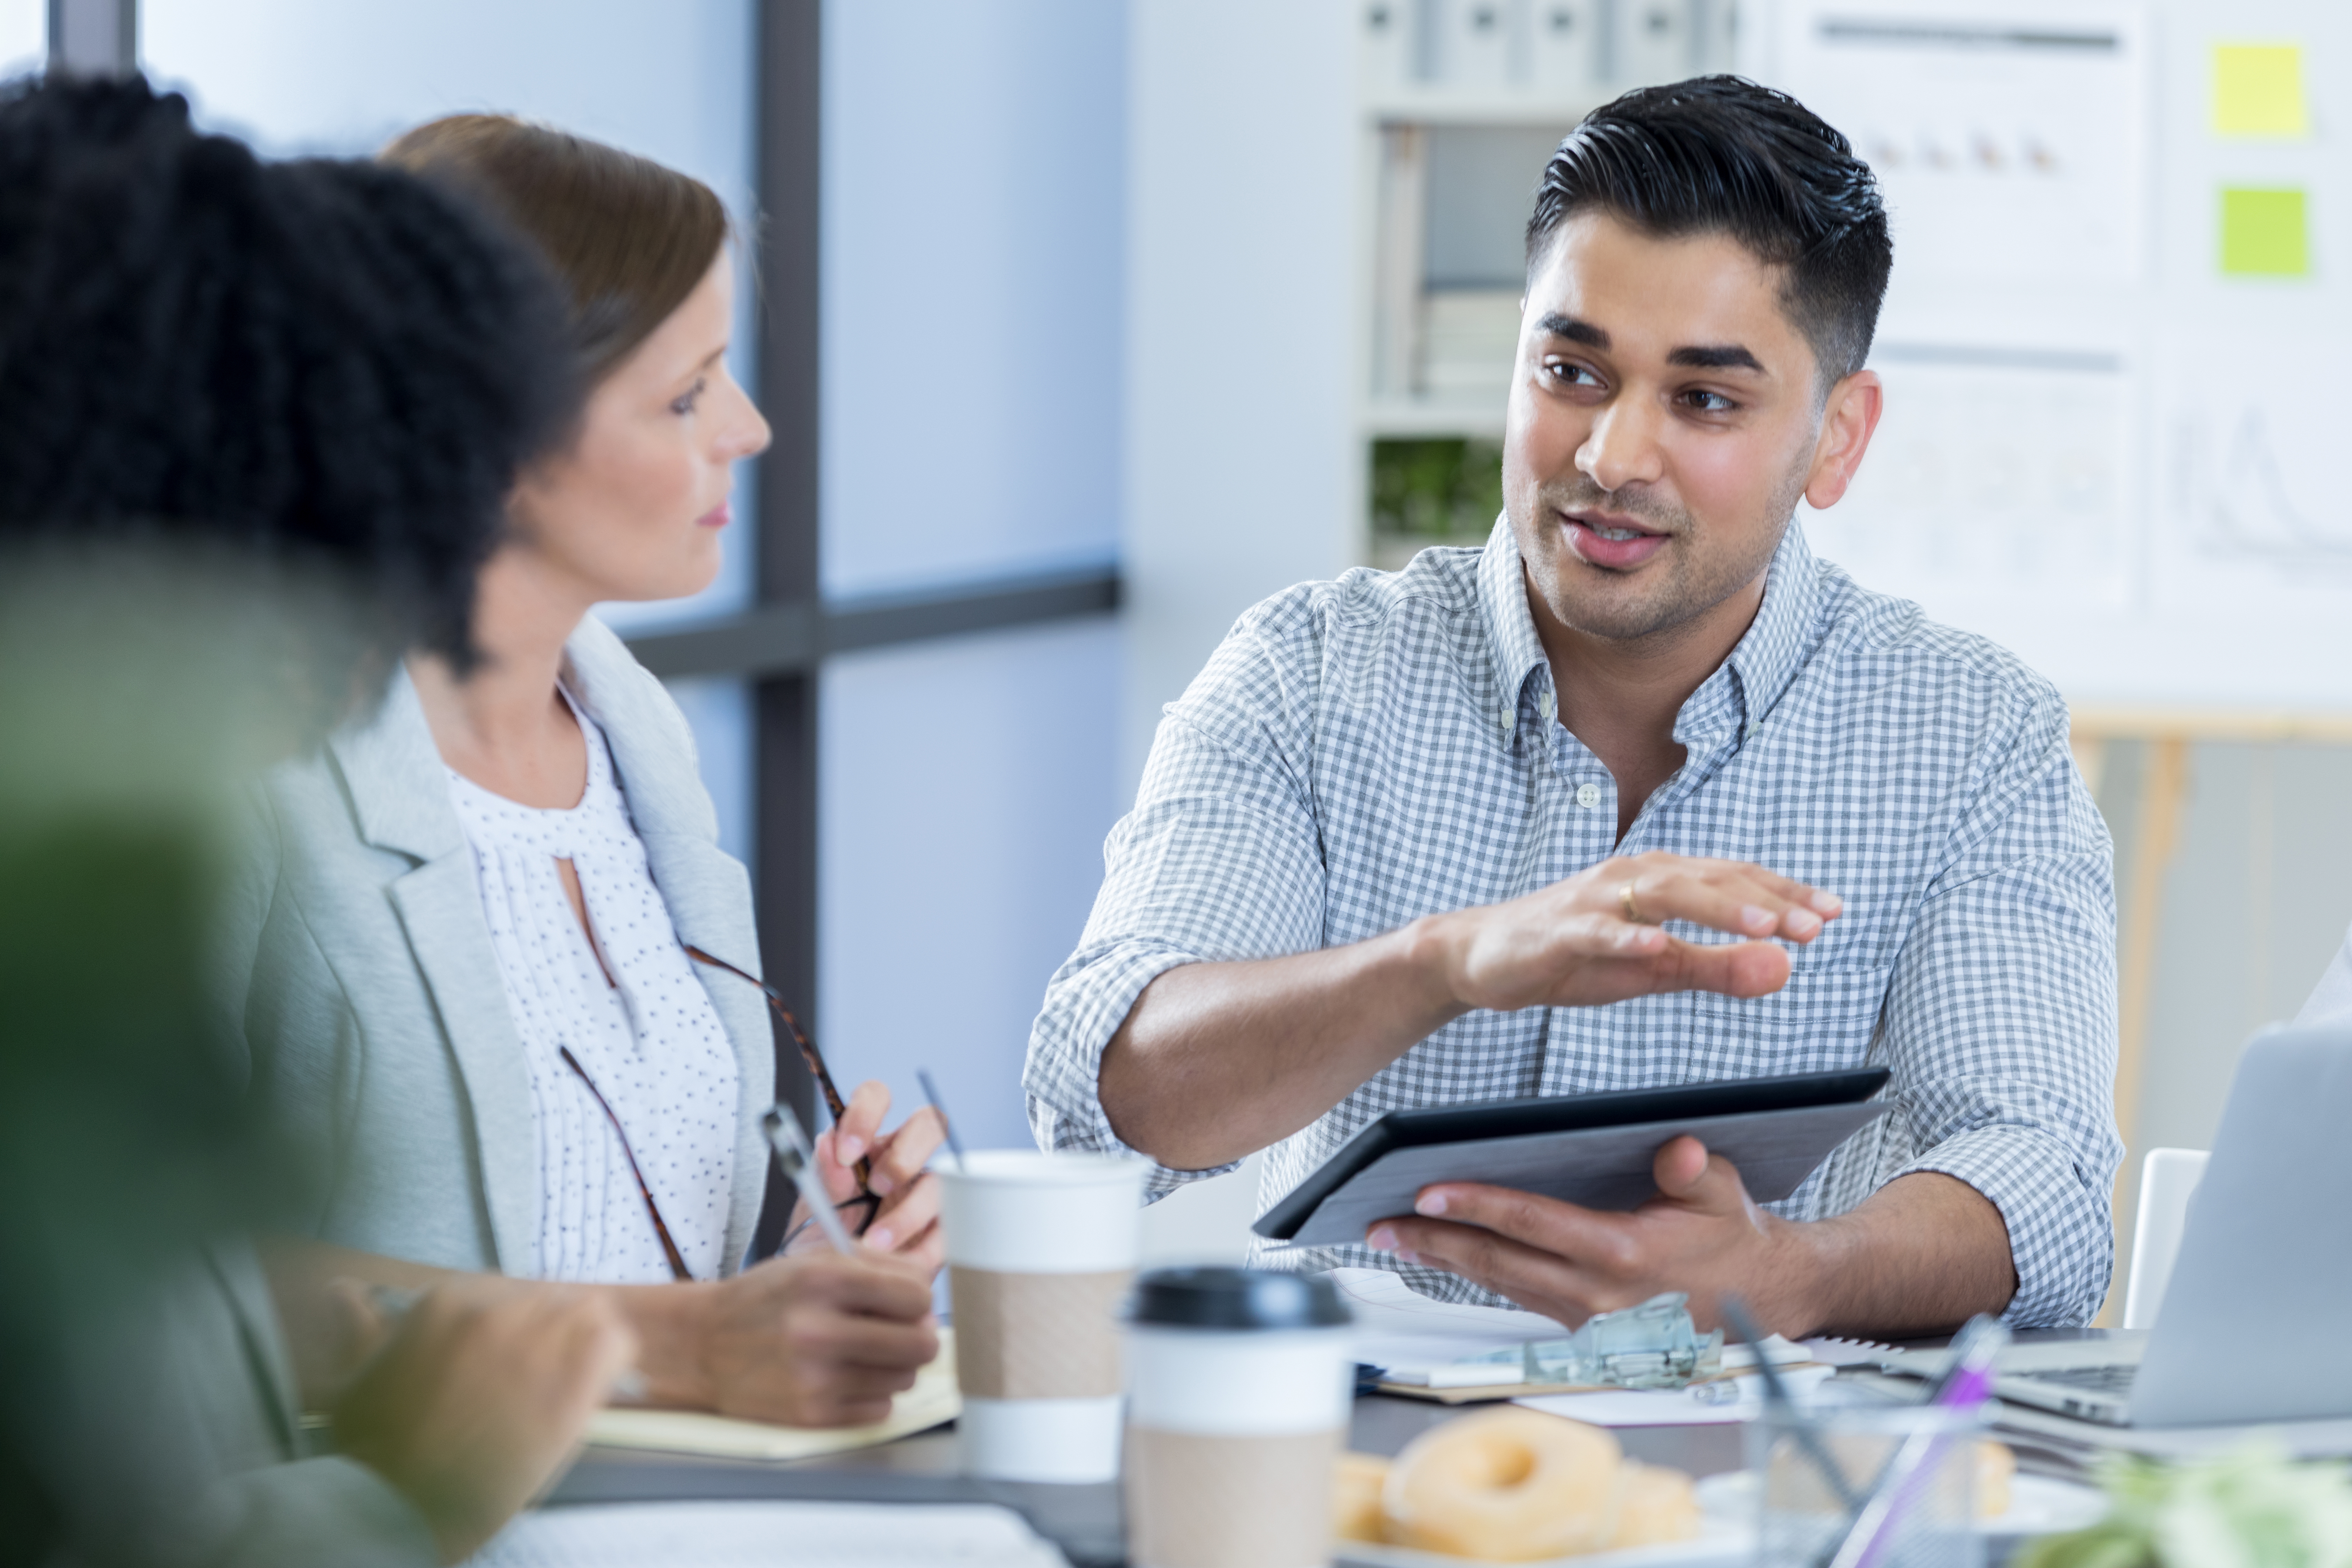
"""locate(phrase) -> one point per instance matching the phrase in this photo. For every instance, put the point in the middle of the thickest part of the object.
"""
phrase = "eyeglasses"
(678, 1267)
(866, 1200)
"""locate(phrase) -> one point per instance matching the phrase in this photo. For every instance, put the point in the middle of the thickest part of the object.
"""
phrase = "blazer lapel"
(400, 795)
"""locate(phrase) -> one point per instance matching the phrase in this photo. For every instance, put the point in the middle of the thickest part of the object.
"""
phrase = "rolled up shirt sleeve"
(2000, 1020)
(1220, 860)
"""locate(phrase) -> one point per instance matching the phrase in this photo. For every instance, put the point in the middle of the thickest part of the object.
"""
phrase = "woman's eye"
(694, 394)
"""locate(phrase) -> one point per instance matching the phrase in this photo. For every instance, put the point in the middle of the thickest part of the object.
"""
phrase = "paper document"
(1398, 1327)
(932, 1400)
(1701, 1404)
(761, 1534)
(1399, 1330)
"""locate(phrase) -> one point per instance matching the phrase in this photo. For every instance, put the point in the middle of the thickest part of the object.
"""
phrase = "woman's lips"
(717, 517)
(1619, 554)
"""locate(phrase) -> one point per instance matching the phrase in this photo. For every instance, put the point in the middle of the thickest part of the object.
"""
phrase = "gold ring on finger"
(1625, 902)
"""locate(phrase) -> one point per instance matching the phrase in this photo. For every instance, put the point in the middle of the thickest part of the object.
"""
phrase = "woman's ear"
(1849, 417)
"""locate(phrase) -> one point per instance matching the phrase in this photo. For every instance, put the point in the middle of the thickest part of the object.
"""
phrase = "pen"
(1776, 1393)
(931, 1093)
(791, 1143)
(1967, 1384)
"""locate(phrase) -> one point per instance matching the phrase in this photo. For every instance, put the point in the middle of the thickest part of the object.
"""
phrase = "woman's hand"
(907, 1224)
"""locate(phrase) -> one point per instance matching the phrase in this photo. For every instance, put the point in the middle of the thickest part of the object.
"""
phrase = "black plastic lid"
(1237, 1299)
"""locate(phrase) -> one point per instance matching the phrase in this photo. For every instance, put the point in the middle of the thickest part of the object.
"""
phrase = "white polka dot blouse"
(648, 1038)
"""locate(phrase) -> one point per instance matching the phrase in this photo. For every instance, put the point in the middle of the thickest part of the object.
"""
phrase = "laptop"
(2256, 1323)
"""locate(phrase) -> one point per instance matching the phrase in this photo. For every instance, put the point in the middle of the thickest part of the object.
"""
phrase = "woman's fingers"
(861, 1122)
(905, 1218)
(902, 1155)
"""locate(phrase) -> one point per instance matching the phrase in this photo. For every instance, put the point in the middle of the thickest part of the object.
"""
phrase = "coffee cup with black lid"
(1239, 1386)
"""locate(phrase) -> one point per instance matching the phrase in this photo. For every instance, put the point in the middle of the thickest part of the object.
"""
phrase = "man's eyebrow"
(1715, 356)
(1555, 325)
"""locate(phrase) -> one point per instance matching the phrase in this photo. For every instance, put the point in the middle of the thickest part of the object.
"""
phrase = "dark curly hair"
(327, 364)
(1721, 155)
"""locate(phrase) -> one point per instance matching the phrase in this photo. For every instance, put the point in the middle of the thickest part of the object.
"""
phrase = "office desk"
(1082, 1521)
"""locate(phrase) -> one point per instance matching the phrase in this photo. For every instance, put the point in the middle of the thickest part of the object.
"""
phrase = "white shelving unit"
(1458, 102)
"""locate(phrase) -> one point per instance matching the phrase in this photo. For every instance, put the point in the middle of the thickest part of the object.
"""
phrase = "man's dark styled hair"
(329, 364)
(1719, 155)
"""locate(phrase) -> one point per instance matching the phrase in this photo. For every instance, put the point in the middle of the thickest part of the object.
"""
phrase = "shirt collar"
(1510, 626)
(1743, 690)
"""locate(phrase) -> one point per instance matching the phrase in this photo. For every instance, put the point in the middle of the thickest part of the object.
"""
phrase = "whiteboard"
(2098, 449)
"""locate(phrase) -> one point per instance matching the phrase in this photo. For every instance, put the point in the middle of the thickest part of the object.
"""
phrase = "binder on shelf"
(1563, 42)
(1386, 57)
(1474, 38)
(1651, 41)
(1399, 259)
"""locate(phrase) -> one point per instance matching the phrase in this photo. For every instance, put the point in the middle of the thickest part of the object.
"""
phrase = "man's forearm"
(1921, 1256)
(1216, 1061)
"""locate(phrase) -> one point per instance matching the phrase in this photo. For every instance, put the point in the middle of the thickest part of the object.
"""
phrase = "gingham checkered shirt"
(1361, 752)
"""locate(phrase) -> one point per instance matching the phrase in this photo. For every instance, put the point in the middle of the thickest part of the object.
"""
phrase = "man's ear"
(1849, 416)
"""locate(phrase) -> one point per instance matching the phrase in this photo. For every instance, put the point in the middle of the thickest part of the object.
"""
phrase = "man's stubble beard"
(1693, 585)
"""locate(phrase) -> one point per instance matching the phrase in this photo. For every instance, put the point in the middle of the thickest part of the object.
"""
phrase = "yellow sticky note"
(2264, 233)
(2258, 90)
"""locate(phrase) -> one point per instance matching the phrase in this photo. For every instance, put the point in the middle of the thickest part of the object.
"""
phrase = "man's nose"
(1623, 448)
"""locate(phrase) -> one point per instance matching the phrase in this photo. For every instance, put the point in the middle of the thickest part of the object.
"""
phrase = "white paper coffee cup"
(1239, 1390)
(1040, 1255)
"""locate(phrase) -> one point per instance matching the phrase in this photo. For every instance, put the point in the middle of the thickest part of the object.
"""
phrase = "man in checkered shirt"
(1409, 839)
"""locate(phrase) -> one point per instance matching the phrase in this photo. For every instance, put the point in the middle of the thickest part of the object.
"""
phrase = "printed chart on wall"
(2108, 441)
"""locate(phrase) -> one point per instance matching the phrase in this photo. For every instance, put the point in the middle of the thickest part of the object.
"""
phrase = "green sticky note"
(2264, 233)
(2258, 90)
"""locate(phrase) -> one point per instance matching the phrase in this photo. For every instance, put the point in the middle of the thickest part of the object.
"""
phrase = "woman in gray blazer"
(472, 918)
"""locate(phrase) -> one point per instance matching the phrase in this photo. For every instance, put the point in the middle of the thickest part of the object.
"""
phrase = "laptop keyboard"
(2115, 1380)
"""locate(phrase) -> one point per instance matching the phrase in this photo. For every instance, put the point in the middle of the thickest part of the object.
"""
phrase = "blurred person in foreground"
(256, 426)
(479, 932)
(1640, 794)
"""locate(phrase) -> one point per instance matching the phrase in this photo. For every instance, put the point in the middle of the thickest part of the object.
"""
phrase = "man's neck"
(1620, 698)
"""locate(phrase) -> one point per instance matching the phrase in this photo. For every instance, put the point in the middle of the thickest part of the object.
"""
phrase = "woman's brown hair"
(628, 239)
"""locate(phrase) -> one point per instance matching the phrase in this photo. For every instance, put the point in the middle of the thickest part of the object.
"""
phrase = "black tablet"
(1590, 1149)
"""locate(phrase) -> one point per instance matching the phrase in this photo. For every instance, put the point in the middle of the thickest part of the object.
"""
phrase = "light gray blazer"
(373, 1006)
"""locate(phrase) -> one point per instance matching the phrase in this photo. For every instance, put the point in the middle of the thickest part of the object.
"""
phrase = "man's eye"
(1568, 373)
(1711, 402)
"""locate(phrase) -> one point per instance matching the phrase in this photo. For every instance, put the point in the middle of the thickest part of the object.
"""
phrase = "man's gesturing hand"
(1582, 942)
(1701, 1234)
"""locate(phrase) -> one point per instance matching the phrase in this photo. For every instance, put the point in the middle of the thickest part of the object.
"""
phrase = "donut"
(1355, 1482)
(1995, 1465)
(1507, 1486)
(1653, 1505)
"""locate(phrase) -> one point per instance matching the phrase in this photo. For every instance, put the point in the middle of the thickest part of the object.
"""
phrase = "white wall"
(1242, 351)
(973, 271)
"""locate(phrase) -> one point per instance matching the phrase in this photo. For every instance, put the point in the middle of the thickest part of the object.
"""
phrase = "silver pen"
(791, 1143)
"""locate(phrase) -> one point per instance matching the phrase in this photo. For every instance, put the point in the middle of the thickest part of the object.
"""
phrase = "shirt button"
(1588, 796)
(1543, 705)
